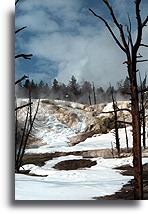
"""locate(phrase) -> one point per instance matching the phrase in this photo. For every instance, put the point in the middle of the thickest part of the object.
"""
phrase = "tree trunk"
(94, 93)
(89, 98)
(126, 136)
(143, 117)
(144, 132)
(137, 156)
(116, 123)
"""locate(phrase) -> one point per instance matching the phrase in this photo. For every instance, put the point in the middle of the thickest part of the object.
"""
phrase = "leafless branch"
(119, 26)
(20, 107)
(24, 77)
(112, 14)
(145, 22)
(144, 60)
(20, 29)
(125, 122)
(143, 45)
(129, 30)
(25, 56)
(139, 25)
(123, 109)
(109, 28)
(16, 2)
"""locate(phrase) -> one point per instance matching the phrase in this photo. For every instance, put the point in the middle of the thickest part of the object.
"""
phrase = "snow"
(98, 180)
(82, 184)
(59, 142)
(121, 104)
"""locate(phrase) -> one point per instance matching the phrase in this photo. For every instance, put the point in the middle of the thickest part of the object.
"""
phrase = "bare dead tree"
(131, 48)
(126, 135)
(112, 149)
(142, 108)
(16, 131)
(20, 144)
(30, 101)
(19, 147)
(89, 98)
(25, 137)
(115, 122)
(94, 93)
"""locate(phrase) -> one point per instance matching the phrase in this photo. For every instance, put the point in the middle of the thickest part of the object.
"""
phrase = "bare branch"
(20, 29)
(112, 14)
(24, 77)
(143, 45)
(139, 26)
(125, 122)
(144, 60)
(130, 41)
(16, 2)
(123, 109)
(25, 105)
(119, 26)
(25, 56)
(145, 22)
(129, 29)
(109, 28)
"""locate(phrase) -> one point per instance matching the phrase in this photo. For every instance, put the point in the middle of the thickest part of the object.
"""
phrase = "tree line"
(85, 92)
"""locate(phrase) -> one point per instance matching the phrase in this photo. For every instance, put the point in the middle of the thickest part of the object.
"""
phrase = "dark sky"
(66, 39)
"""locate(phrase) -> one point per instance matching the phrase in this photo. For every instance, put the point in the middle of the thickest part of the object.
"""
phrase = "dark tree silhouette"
(94, 94)
(55, 86)
(115, 108)
(21, 55)
(143, 90)
(73, 88)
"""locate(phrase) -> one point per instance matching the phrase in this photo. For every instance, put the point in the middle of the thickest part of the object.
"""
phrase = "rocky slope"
(77, 121)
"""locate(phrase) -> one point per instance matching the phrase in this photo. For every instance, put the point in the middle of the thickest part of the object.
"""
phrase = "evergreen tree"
(74, 88)
(41, 84)
(26, 84)
(55, 86)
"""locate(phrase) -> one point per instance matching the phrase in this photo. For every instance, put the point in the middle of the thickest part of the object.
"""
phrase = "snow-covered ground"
(85, 184)
(59, 142)
(69, 185)
(82, 184)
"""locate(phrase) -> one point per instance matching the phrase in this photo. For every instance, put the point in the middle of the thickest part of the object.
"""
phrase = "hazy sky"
(66, 39)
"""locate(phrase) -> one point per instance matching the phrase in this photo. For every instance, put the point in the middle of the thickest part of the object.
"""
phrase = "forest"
(85, 92)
